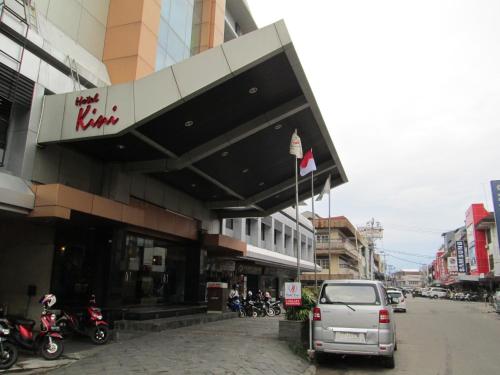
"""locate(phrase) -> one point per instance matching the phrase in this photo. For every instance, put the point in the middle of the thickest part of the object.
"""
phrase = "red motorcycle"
(48, 342)
(89, 323)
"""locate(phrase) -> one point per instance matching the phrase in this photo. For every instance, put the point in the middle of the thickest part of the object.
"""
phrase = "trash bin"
(217, 294)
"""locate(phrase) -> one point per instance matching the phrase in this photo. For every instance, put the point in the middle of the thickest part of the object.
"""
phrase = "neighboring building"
(476, 239)
(408, 278)
(271, 249)
(340, 254)
(488, 227)
(379, 271)
(125, 133)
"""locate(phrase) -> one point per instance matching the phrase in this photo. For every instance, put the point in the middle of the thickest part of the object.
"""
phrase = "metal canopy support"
(285, 185)
(152, 164)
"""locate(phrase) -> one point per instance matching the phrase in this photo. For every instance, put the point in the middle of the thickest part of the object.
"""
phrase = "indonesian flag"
(307, 164)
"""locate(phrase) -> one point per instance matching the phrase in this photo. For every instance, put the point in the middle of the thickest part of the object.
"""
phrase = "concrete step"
(157, 325)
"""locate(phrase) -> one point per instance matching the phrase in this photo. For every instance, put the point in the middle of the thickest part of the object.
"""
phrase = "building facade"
(271, 247)
(122, 151)
(408, 278)
(341, 251)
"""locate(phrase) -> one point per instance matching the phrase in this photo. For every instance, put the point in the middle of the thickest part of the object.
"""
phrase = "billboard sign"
(293, 294)
(452, 265)
(495, 190)
(461, 265)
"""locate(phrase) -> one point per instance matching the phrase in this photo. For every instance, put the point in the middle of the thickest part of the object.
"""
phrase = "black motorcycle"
(8, 351)
(276, 306)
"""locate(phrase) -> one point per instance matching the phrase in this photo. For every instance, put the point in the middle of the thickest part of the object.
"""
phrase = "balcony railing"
(337, 247)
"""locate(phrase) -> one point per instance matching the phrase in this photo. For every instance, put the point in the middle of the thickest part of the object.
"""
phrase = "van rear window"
(354, 294)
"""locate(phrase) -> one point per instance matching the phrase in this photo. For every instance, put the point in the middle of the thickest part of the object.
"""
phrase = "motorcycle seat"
(22, 321)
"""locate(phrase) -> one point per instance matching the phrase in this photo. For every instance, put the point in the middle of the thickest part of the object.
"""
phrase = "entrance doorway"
(153, 271)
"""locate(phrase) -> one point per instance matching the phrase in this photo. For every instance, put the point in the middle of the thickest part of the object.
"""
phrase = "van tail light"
(316, 314)
(383, 316)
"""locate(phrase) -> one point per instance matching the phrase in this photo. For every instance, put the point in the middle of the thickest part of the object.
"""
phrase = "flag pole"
(329, 235)
(314, 232)
(297, 218)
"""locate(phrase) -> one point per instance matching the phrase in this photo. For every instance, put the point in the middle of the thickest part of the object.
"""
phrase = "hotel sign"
(86, 114)
(461, 268)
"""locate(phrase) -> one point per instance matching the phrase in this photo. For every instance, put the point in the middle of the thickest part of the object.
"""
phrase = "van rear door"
(350, 312)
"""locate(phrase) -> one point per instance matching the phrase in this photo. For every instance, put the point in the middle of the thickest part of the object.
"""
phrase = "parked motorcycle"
(8, 351)
(48, 342)
(88, 323)
(276, 306)
(235, 305)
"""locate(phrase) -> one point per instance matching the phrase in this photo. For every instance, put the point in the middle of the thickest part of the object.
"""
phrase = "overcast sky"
(410, 91)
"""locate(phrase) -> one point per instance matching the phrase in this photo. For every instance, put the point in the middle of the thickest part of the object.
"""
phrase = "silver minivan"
(354, 317)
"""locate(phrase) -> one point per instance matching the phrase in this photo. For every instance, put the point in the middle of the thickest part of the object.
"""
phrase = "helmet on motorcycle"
(249, 293)
(48, 300)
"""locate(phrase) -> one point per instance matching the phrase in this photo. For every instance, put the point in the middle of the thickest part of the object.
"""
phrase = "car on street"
(425, 292)
(437, 293)
(496, 301)
(398, 300)
(354, 317)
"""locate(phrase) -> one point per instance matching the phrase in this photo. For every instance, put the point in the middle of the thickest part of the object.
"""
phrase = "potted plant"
(295, 327)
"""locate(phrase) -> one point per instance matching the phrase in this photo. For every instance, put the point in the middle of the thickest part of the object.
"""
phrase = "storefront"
(122, 266)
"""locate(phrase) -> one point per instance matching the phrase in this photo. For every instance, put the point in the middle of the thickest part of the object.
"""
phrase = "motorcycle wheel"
(8, 356)
(99, 334)
(277, 310)
(255, 313)
(270, 312)
(51, 351)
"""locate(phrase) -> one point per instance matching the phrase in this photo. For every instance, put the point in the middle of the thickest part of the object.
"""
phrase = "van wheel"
(435, 297)
(320, 358)
(389, 362)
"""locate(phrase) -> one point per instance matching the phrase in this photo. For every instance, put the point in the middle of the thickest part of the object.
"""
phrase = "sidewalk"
(235, 346)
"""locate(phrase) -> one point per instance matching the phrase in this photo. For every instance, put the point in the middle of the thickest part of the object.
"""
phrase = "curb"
(311, 370)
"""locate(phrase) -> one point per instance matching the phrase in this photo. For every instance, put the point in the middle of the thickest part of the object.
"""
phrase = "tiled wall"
(82, 20)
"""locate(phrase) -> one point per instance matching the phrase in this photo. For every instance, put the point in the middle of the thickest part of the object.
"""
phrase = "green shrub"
(302, 312)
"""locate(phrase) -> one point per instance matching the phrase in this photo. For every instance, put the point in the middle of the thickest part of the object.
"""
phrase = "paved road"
(436, 337)
(235, 346)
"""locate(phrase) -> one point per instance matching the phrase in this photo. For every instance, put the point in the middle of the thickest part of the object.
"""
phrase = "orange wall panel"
(122, 12)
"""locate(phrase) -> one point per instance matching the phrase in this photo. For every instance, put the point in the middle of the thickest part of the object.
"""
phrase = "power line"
(407, 260)
(409, 254)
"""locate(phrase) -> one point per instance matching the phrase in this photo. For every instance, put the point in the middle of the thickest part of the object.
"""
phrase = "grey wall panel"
(154, 191)
(138, 185)
(75, 170)
(46, 168)
(25, 259)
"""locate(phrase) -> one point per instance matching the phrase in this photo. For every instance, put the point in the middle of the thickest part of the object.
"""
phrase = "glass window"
(355, 294)
(262, 231)
(248, 227)
(163, 35)
(176, 48)
(229, 224)
(4, 125)
(161, 56)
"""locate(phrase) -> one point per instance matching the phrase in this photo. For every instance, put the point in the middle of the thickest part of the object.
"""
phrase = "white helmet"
(48, 300)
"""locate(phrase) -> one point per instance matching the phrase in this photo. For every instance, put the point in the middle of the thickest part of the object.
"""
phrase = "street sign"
(293, 294)
(495, 192)
(461, 260)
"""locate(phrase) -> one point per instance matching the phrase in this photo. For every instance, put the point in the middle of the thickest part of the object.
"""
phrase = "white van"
(354, 317)
(437, 293)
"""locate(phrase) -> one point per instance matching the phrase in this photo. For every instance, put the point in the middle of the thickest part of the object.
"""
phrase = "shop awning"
(277, 259)
(216, 126)
(15, 194)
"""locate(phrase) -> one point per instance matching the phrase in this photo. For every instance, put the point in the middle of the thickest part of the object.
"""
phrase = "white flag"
(326, 188)
(296, 145)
